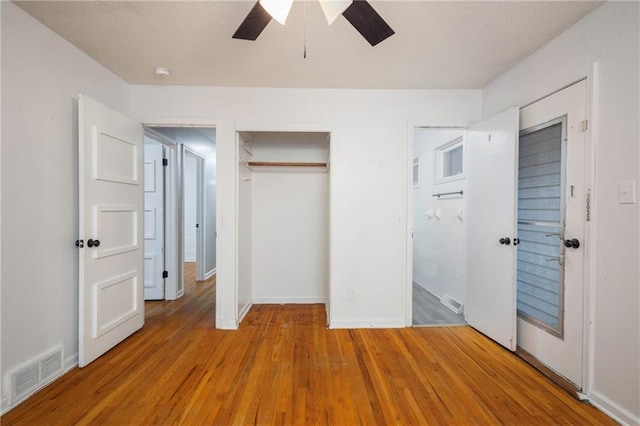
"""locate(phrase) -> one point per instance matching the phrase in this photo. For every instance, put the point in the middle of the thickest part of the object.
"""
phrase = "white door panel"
(111, 305)
(563, 354)
(154, 220)
(120, 224)
(490, 294)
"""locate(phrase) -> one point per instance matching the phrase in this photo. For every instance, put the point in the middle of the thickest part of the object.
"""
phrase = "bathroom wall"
(439, 235)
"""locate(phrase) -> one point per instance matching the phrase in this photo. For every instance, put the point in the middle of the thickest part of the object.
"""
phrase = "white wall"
(609, 36)
(439, 245)
(41, 75)
(368, 178)
(290, 238)
(190, 196)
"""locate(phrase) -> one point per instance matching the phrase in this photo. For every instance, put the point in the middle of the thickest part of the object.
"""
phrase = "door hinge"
(165, 274)
(165, 162)
(588, 205)
(584, 125)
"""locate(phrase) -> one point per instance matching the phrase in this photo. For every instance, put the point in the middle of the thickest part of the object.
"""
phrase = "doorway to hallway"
(190, 204)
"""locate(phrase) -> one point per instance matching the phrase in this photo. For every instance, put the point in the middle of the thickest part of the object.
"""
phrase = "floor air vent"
(51, 365)
(24, 381)
(451, 303)
(34, 374)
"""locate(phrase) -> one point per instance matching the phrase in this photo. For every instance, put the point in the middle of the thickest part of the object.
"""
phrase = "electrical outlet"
(352, 295)
(627, 192)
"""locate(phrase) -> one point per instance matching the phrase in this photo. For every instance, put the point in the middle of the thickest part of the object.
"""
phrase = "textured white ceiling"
(438, 44)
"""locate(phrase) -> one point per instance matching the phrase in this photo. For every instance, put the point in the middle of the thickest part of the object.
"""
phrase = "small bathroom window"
(450, 160)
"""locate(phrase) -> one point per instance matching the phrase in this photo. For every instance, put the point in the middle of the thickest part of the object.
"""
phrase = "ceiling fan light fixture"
(278, 9)
(334, 8)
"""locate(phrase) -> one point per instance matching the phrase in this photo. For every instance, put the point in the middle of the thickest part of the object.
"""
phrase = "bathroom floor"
(427, 310)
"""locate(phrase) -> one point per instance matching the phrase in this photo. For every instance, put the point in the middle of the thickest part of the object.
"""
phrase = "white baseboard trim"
(210, 273)
(243, 312)
(288, 300)
(373, 323)
(4, 405)
(69, 364)
(227, 325)
(424, 286)
(440, 296)
(613, 410)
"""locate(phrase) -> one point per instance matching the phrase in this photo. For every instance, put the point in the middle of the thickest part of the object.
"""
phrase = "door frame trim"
(591, 150)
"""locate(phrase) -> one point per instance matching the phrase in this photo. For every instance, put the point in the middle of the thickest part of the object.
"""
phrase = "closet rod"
(284, 164)
(447, 193)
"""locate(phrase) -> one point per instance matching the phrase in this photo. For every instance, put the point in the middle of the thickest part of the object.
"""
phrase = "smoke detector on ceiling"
(162, 72)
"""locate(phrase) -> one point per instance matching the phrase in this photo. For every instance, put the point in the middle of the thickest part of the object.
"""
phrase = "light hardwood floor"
(284, 367)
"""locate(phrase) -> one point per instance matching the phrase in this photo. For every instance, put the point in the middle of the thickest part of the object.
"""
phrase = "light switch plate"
(627, 192)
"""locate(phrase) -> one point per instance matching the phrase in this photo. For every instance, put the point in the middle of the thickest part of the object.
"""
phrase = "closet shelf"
(285, 164)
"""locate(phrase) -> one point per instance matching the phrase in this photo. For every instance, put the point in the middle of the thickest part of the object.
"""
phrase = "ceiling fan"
(359, 13)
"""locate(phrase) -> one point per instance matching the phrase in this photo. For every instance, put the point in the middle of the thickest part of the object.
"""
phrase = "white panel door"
(491, 227)
(153, 221)
(560, 347)
(111, 228)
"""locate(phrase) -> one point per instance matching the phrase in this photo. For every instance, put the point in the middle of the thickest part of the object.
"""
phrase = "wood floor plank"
(284, 367)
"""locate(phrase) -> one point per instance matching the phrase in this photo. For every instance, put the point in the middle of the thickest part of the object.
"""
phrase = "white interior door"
(491, 227)
(111, 228)
(193, 214)
(153, 220)
(550, 274)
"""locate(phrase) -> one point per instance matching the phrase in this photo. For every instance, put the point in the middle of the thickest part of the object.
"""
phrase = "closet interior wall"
(283, 218)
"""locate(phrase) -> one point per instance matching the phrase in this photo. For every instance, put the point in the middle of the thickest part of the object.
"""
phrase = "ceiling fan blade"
(366, 20)
(332, 9)
(253, 24)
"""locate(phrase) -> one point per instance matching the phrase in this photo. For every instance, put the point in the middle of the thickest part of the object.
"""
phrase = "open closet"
(283, 218)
